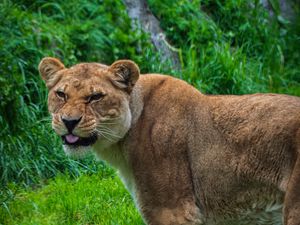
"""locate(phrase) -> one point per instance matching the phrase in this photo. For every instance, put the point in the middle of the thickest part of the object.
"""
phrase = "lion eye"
(95, 97)
(60, 94)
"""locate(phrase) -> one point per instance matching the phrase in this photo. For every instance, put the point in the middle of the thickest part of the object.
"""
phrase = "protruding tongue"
(71, 138)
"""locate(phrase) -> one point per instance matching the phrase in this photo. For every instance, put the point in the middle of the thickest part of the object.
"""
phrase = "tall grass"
(233, 47)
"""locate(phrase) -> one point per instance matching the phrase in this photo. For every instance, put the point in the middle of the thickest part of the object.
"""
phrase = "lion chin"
(76, 152)
(185, 157)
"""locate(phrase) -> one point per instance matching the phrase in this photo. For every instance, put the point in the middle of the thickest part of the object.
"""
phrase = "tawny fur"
(186, 158)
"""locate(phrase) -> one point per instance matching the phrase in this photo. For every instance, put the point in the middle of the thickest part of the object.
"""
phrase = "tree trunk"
(285, 8)
(141, 16)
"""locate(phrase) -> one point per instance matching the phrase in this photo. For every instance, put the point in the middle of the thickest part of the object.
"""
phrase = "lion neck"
(111, 152)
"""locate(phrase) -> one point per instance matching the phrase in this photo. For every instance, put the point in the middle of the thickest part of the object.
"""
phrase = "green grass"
(89, 199)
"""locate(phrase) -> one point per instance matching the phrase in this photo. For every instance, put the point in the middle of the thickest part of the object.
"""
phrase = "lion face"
(89, 102)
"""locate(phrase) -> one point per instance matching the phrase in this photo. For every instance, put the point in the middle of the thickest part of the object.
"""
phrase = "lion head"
(89, 102)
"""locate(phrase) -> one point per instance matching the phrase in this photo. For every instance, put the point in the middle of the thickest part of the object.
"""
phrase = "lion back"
(262, 128)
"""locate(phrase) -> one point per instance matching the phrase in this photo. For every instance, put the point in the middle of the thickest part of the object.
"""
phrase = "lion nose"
(70, 123)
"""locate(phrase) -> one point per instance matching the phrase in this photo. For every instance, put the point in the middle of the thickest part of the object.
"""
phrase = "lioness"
(186, 158)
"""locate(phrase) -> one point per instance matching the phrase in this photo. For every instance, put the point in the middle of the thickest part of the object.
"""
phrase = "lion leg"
(186, 213)
(292, 198)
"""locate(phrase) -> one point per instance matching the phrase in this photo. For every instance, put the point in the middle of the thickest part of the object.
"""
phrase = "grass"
(89, 199)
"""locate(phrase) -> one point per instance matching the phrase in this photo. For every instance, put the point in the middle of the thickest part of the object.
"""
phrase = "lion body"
(189, 158)
(221, 151)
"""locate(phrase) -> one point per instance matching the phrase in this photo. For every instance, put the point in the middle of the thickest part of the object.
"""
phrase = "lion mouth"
(74, 140)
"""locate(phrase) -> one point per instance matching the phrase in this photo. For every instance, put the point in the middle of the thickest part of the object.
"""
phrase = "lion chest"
(114, 157)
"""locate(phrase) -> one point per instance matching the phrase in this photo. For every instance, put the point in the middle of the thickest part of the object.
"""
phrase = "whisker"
(106, 128)
(108, 131)
(110, 134)
(102, 134)
(104, 123)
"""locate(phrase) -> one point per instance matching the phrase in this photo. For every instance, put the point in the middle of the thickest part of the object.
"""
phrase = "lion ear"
(48, 69)
(125, 74)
